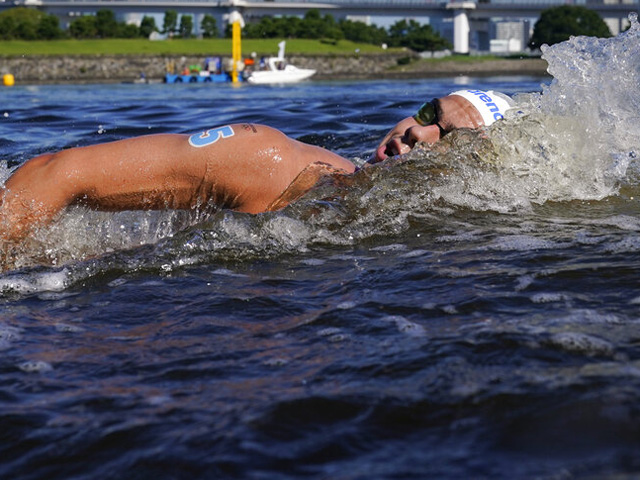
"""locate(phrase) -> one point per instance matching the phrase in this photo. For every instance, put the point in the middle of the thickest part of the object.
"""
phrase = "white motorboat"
(279, 71)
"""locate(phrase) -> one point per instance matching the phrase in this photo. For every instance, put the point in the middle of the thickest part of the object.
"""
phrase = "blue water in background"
(461, 342)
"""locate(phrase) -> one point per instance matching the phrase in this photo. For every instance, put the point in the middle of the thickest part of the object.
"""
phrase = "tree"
(417, 37)
(28, 24)
(49, 28)
(557, 24)
(289, 27)
(127, 30)
(83, 27)
(106, 24)
(267, 27)
(147, 26)
(170, 21)
(102, 25)
(26, 31)
(186, 26)
(209, 26)
(331, 28)
(7, 27)
(363, 33)
(315, 26)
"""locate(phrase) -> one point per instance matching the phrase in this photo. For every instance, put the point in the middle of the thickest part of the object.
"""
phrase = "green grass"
(218, 46)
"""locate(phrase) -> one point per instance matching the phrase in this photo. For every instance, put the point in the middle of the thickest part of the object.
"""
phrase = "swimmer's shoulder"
(308, 178)
(250, 137)
(230, 134)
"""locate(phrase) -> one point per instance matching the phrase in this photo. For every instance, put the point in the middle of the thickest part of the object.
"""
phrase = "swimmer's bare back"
(243, 167)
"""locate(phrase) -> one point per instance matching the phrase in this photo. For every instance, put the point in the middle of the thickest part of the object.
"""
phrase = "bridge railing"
(514, 3)
(391, 3)
(360, 3)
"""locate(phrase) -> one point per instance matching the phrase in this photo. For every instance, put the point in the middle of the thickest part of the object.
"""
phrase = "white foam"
(314, 262)
(35, 366)
(406, 326)
(549, 297)
(524, 282)
(394, 247)
(415, 253)
(575, 141)
(67, 328)
(582, 343)
(9, 335)
(586, 316)
(524, 243)
(623, 222)
(288, 231)
(228, 273)
(629, 244)
(35, 282)
(5, 172)
(329, 331)
(346, 305)
(450, 309)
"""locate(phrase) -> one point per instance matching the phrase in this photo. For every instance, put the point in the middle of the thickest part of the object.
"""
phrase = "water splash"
(576, 140)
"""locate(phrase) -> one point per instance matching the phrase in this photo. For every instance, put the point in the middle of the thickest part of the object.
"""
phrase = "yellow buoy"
(236, 50)
(237, 23)
(8, 80)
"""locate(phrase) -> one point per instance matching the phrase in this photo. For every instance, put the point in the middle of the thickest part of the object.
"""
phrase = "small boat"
(279, 71)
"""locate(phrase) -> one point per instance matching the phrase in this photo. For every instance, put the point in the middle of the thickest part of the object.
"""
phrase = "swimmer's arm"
(245, 171)
(242, 167)
(29, 198)
(140, 173)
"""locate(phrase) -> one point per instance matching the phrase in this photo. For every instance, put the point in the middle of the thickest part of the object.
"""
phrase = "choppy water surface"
(465, 313)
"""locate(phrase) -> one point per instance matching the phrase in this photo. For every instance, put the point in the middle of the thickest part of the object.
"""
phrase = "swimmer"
(244, 167)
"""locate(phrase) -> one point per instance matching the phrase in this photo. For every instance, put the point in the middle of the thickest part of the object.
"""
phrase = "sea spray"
(576, 140)
(573, 141)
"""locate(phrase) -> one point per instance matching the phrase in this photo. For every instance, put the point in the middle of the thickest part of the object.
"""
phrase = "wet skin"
(253, 169)
(453, 112)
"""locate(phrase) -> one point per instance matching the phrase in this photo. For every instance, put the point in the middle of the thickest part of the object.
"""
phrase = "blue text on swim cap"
(493, 108)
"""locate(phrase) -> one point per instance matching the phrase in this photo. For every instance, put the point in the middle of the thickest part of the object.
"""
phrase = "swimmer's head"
(490, 104)
(460, 109)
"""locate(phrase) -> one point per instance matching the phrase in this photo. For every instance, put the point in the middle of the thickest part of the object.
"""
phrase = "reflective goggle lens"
(427, 114)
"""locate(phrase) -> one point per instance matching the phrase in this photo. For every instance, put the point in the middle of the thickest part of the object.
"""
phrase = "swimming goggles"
(428, 115)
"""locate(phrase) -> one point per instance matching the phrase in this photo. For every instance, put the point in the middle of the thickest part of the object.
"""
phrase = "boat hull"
(288, 75)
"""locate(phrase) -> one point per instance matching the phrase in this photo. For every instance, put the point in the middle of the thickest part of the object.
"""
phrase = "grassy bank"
(217, 46)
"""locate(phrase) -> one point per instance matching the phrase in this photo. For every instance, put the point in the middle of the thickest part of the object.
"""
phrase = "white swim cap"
(491, 105)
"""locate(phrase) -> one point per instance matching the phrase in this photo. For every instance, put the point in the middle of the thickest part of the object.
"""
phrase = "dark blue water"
(435, 319)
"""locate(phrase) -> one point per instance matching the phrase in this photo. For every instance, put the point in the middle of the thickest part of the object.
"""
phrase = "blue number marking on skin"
(210, 136)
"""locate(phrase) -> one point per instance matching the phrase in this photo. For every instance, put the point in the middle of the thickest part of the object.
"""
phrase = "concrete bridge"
(460, 21)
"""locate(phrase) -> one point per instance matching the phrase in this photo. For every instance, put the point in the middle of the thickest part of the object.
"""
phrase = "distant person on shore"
(243, 167)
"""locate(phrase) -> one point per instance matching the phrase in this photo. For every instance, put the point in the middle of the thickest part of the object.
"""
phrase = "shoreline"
(118, 68)
(471, 67)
